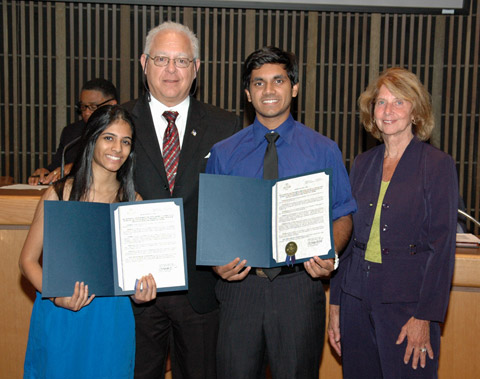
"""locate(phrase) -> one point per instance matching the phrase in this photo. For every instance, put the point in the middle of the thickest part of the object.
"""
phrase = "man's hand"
(38, 176)
(231, 271)
(319, 268)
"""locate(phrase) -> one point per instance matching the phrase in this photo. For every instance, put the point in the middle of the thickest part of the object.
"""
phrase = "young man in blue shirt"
(281, 319)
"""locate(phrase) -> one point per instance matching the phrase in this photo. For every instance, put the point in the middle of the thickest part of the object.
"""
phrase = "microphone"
(67, 146)
(468, 216)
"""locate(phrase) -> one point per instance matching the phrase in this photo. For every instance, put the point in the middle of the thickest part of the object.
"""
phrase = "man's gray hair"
(170, 25)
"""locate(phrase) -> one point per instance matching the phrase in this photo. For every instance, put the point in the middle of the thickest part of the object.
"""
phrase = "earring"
(413, 120)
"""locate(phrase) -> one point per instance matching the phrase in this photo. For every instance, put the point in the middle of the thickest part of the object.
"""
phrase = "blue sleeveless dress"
(98, 341)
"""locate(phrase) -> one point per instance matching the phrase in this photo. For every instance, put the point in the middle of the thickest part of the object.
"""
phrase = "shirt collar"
(285, 130)
(158, 107)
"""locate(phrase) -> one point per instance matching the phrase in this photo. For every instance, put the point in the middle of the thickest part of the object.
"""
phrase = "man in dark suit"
(95, 93)
(170, 63)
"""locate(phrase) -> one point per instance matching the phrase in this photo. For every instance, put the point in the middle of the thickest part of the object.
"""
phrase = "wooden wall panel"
(49, 49)
(473, 196)
(438, 77)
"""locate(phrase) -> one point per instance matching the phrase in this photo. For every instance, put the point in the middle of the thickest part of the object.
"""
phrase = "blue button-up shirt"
(300, 150)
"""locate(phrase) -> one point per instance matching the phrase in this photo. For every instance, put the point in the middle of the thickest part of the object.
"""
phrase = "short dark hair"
(101, 85)
(273, 55)
(81, 172)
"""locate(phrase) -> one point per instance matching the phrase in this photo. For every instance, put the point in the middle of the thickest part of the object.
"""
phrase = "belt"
(360, 245)
(410, 248)
(284, 270)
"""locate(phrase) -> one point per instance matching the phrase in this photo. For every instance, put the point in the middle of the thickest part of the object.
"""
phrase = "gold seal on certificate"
(291, 248)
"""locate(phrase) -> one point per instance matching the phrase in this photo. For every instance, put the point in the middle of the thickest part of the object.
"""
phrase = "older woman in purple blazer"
(392, 287)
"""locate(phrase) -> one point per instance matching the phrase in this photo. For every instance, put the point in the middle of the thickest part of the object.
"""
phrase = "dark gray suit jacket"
(206, 125)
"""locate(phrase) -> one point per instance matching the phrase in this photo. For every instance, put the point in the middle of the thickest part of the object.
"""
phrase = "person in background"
(391, 291)
(94, 94)
(82, 336)
(174, 135)
(277, 314)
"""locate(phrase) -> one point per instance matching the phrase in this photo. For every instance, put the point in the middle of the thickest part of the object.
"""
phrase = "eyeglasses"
(161, 61)
(91, 107)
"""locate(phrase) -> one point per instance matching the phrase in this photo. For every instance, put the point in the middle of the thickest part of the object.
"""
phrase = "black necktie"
(270, 161)
(270, 171)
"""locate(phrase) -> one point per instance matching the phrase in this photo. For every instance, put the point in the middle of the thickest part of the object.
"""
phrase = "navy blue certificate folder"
(235, 220)
(80, 245)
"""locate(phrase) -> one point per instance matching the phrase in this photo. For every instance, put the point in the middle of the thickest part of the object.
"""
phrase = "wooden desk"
(18, 206)
(460, 333)
(16, 294)
(459, 350)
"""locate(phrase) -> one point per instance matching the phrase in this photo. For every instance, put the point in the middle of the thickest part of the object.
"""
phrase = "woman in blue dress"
(82, 336)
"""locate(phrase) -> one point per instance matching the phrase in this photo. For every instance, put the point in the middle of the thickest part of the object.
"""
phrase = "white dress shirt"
(160, 123)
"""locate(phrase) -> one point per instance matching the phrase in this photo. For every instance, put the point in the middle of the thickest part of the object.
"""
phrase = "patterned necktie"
(270, 171)
(171, 148)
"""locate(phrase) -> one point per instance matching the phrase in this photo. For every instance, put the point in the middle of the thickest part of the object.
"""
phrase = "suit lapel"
(194, 132)
(147, 137)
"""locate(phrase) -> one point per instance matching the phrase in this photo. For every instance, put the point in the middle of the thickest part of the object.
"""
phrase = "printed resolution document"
(260, 220)
(110, 246)
(301, 214)
(149, 239)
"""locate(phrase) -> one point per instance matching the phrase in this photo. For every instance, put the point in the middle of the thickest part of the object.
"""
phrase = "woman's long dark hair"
(82, 174)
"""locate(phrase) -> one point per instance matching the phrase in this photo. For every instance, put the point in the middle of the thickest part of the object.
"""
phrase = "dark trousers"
(282, 320)
(369, 331)
(194, 340)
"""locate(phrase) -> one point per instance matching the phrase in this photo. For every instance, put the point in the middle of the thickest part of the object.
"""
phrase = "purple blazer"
(417, 230)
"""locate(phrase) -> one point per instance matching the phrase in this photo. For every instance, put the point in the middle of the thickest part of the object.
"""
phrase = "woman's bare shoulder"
(50, 194)
(67, 189)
